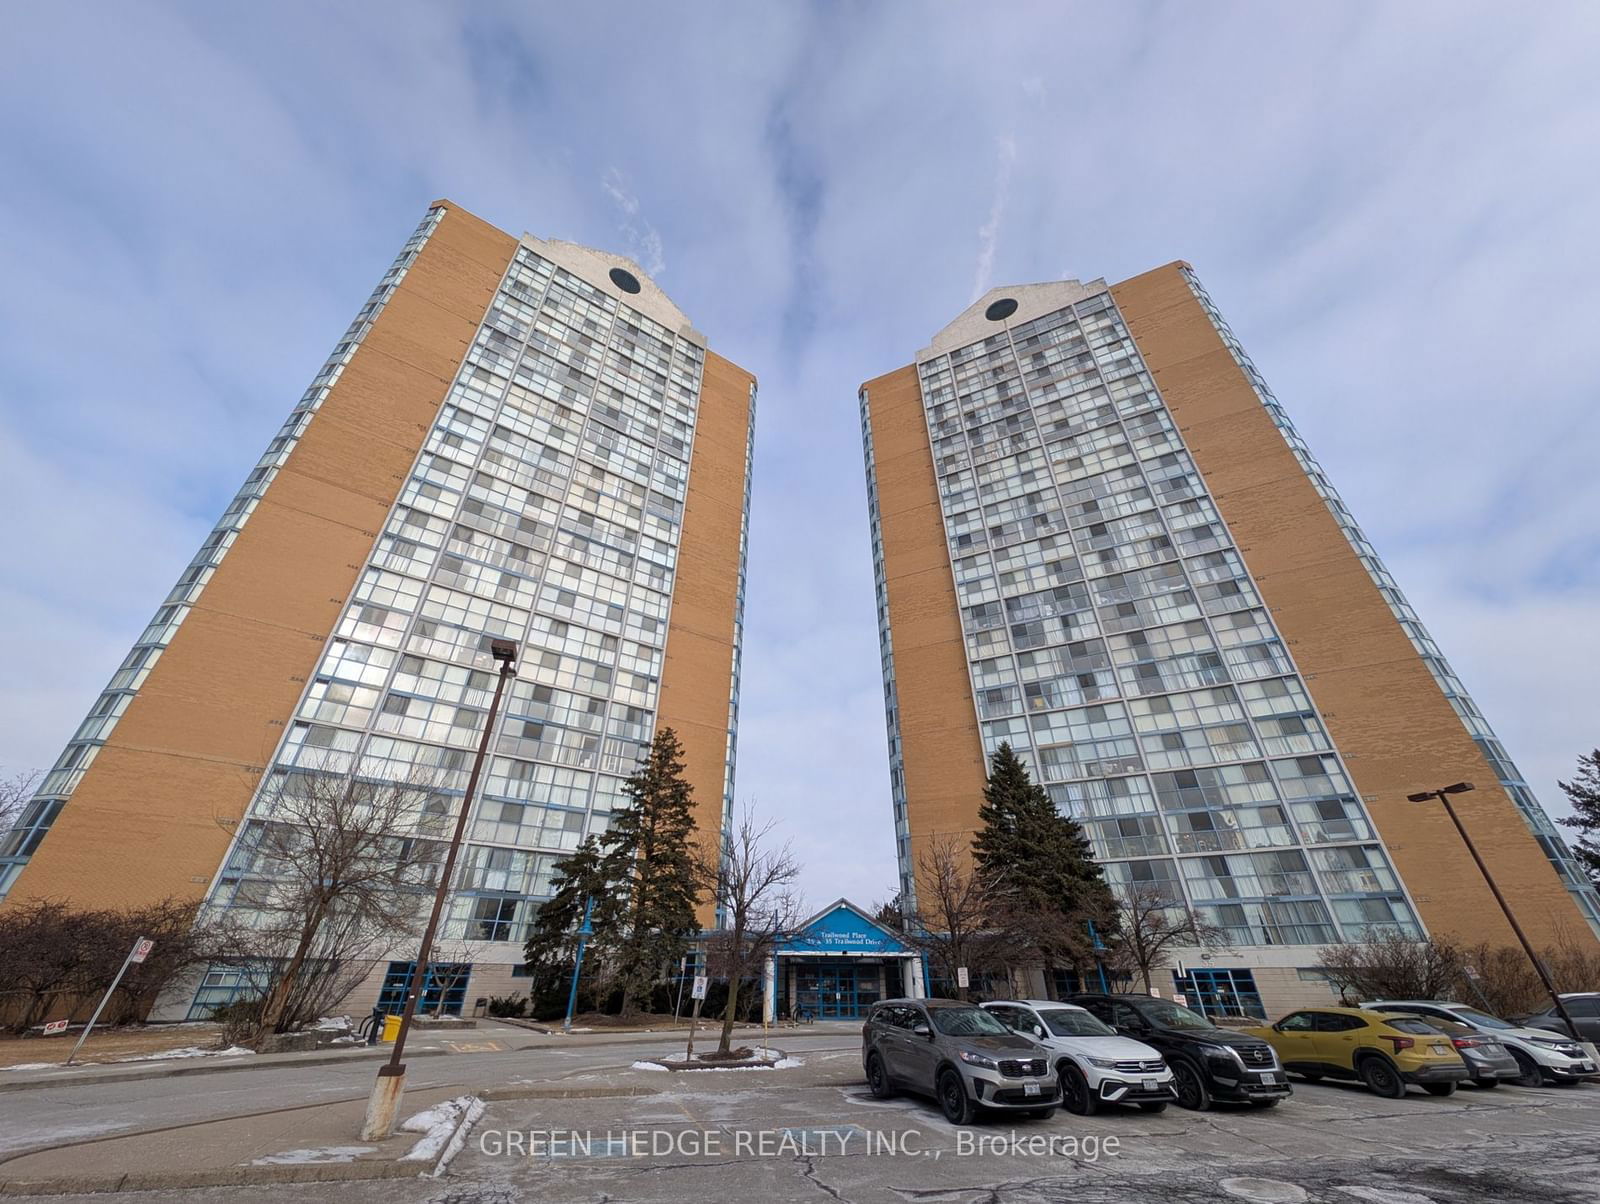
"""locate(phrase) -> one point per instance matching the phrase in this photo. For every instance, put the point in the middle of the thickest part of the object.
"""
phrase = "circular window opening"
(629, 283)
(1002, 309)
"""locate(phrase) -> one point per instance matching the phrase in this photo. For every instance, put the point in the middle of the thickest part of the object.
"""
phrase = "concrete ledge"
(242, 1176)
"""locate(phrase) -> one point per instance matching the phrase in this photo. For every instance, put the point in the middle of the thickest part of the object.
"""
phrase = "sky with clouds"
(1394, 205)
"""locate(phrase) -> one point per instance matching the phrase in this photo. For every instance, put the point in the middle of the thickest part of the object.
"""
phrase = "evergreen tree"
(1584, 794)
(1038, 867)
(649, 854)
(552, 942)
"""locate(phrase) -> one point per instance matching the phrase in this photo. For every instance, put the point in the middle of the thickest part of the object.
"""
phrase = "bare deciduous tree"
(59, 960)
(1391, 965)
(15, 791)
(1151, 924)
(954, 922)
(336, 870)
(752, 882)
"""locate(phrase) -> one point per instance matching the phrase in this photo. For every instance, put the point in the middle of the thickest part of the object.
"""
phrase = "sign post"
(699, 996)
(140, 951)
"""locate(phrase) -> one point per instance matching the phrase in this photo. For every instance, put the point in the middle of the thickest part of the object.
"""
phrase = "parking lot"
(787, 1134)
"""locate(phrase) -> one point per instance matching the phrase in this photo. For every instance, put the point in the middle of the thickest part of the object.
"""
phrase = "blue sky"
(1394, 205)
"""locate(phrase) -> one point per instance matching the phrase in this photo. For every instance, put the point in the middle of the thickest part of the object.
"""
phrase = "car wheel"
(1381, 1078)
(1076, 1097)
(954, 1100)
(1439, 1088)
(1192, 1091)
(878, 1079)
(1265, 1103)
(1531, 1075)
(1153, 1105)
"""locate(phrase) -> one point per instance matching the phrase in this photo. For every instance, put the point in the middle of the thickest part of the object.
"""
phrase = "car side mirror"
(1035, 1030)
(922, 1030)
(1278, 1027)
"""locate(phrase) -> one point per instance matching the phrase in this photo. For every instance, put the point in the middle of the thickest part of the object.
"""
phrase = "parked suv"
(1095, 1067)
(1383, 1050)
(1582, 1006)
(1208, 1063)
(1542, 1056)
(957, 1053)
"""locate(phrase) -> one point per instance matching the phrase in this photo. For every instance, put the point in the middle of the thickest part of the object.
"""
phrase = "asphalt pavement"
(569, 1118)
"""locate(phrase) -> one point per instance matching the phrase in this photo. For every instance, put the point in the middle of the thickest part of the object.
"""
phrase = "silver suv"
(1542, 1057)
(957, 1053)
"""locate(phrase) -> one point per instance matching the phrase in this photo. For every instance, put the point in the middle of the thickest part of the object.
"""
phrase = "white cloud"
(989, 232)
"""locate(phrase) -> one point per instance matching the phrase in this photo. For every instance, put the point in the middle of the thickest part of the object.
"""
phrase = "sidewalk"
(311, 1143)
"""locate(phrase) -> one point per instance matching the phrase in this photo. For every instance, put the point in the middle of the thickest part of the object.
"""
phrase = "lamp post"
(1443, 795)
(584, 933)
(384, 1102)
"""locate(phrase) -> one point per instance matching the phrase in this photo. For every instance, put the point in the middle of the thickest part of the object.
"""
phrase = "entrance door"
(835, 990)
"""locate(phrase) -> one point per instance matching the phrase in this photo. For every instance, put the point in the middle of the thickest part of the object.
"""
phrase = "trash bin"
(391, 1027)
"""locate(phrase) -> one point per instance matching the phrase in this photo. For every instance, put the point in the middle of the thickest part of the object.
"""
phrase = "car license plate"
(1441, 1049)
(1149, 1084)
(1271, 1076)
(1030, 1089)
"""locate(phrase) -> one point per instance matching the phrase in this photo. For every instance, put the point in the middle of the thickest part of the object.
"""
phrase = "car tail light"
(1466, 1042)
(1399, 1042)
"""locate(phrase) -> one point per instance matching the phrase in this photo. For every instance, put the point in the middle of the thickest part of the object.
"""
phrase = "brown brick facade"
(697, 672)
(1388, 717)
(942, 747)
(153, 815)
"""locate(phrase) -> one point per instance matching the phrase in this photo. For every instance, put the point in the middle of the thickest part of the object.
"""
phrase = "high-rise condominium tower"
(1098, 537)
(515, 439)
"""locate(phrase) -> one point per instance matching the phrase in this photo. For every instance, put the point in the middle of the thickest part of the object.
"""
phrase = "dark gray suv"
(957, 1053)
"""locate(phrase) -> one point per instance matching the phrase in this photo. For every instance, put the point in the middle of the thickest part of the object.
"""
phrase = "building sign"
(842, 929)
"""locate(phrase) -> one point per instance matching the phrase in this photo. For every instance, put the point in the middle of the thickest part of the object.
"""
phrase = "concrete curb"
(154, 1070)
(241, 1176)
(496, 1094)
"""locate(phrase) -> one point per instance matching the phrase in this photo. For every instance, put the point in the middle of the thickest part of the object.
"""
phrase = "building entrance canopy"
(839, 963)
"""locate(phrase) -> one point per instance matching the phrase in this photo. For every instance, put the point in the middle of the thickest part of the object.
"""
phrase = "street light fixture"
(1443, 795)
(384, 1102)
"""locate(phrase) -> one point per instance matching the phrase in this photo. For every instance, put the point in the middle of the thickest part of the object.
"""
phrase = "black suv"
(1208, 1063)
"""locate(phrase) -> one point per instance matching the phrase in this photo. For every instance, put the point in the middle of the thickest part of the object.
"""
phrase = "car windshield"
(1064, 1023)
(967, 1022)
(1172, 1015)
(1481, 1019)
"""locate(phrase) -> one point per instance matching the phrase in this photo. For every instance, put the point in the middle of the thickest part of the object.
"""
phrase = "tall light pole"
(1443, 795)
(384, 1102)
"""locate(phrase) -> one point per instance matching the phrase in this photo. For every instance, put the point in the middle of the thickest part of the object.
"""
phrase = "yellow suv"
(1384, 1051)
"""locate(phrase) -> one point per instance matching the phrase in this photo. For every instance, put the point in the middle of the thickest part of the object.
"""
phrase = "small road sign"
(700, 983)
(54, 1027)
(141, 949)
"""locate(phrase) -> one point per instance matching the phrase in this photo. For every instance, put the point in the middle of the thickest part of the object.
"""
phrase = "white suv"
(1543, 1056)
(1094, 1064)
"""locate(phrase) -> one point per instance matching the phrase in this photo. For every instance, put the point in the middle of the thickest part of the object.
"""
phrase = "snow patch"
(191, 1051)
(444, 1127)
(324, 1154)
(782, 1063)
(33, 1066)
(635, 1066)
